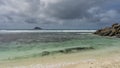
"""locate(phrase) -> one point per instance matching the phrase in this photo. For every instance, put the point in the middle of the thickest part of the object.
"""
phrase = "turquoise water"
(24, 46)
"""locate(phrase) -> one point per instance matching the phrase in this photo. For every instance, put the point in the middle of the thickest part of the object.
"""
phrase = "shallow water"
(26, 45)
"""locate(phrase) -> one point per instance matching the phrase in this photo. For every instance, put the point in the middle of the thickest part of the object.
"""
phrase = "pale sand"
(98, 63)
(74, 60)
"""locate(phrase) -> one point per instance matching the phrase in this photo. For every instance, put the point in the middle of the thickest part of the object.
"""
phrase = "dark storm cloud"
(71, 9)
(58, 13)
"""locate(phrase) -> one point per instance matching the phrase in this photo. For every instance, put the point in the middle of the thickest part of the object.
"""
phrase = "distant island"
(37, 28)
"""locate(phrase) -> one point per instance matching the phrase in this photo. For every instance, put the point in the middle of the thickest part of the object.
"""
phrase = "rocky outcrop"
(114, 30)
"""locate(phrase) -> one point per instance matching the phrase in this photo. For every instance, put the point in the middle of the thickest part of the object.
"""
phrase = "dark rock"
(114, 30)
(114, 25)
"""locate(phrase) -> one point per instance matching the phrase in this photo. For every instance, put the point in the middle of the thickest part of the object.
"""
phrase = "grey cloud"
(71, 9)
(58, 13)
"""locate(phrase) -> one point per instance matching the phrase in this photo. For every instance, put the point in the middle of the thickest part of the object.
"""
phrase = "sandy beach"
(74, 60)
(110, 62)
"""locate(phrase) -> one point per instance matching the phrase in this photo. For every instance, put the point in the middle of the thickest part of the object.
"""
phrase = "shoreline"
(65, 61)
(26, 49)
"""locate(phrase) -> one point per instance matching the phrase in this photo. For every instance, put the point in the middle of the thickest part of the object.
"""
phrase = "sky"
(58, 14)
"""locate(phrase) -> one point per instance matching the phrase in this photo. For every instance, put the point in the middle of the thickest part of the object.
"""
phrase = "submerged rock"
(114, 30)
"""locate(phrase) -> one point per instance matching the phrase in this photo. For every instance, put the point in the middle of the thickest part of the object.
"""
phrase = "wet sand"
(73, 60)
